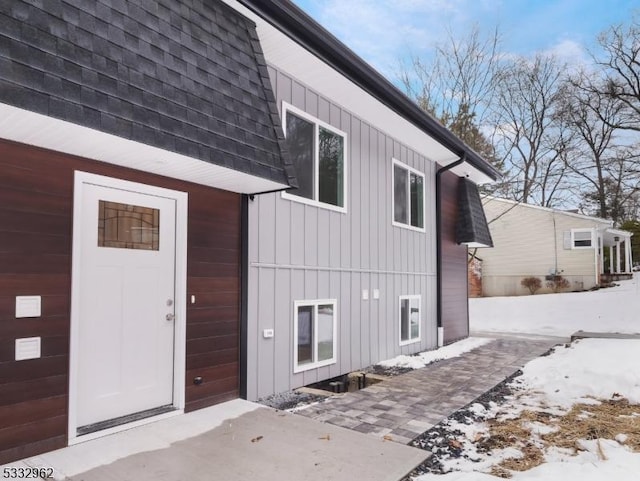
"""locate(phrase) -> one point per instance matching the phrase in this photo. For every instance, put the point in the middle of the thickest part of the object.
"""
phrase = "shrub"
(558, 283)
(531, 283)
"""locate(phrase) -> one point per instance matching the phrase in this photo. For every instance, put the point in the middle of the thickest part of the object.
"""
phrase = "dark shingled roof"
(472, 223)
(189, 77)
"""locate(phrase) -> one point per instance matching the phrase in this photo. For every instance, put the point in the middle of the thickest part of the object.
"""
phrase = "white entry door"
(125, 320)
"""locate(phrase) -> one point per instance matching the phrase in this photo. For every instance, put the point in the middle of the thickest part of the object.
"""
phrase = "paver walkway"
(405, 406)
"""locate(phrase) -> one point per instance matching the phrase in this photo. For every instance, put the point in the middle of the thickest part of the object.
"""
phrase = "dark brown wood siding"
(36, 210)
(455, 310)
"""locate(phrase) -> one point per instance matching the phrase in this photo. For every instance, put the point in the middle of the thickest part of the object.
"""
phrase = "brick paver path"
(405, 406)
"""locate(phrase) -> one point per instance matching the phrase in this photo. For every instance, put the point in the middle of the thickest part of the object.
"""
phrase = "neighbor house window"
(409, 319)
(314, 334)
(582, 238)
(317, 151)
(408, 196)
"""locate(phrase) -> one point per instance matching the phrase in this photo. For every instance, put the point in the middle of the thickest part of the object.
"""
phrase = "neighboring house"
(142, 276)
(532, 241)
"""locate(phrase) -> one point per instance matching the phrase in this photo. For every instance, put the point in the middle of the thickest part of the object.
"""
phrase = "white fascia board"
(490, 198)
(42, 131)
(286, 55)
(618, 232)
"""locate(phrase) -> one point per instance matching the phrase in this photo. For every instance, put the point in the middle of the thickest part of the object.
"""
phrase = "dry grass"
(605, 420)
(585, 421)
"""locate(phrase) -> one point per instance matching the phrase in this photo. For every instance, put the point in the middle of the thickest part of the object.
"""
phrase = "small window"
(126, 226)
(581, 238)
(408, 196)
(314, 334)
(410, 319)
(317, 151)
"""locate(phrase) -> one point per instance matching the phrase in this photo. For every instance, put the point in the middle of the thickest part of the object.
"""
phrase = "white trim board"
(40, 130)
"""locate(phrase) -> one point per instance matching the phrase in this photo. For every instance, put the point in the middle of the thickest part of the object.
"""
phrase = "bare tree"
(457, 86)
(621, 187)
(597, 153)
(531, 136)
(620, 62)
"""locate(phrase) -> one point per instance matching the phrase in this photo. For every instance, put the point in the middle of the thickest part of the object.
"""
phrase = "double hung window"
(315, 325)
(408, 196)
(410, 319)
(317, 151)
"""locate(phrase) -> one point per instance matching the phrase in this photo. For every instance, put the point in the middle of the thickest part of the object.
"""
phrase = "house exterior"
(131, 134)
(344, 271)
(532, 241)
(150, 262)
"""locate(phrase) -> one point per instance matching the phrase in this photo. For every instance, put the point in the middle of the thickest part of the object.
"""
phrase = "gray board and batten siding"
(304, 252)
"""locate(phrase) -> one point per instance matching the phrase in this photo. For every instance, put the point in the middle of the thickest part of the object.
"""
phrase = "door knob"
(170, 317)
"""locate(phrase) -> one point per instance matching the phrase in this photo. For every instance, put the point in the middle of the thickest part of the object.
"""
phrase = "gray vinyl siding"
(304, 252)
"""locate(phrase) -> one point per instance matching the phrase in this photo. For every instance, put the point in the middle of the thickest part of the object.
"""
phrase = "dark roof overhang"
(472, 228)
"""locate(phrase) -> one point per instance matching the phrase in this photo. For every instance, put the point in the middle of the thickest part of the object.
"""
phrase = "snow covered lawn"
(615, 309)
(573, 417)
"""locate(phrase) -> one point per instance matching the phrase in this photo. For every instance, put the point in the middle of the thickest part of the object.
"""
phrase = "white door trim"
(179, 364)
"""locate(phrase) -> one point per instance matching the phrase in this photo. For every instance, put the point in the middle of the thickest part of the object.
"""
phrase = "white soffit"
(42, 131)
(288, 56)
(467, 170)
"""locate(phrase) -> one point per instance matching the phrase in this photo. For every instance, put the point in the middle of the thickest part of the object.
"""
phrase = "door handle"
(170, 317)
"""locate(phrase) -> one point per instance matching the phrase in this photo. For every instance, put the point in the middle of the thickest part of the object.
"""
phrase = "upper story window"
(582, 238)
(318, 152)
(408, 196)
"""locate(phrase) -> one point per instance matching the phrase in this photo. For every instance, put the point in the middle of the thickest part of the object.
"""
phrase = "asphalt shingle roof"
(472, 223)
(188, 76)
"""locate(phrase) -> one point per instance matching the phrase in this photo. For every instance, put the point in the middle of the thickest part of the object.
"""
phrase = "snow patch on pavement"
(422, 359)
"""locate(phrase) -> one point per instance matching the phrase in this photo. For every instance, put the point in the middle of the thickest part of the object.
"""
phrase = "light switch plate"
(267, 333)
(365, 294)
(28, 348)
(28, 306)
(376, 293)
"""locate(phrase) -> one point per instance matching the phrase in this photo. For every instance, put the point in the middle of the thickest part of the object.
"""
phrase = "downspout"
(439, 173)
(555, 243)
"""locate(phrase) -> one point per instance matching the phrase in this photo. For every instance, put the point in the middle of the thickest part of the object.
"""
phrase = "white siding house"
(532, 241)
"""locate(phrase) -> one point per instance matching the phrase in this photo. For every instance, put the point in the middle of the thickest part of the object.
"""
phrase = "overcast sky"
(384, 31)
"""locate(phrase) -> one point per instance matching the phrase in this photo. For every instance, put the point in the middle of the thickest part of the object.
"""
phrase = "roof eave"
(297, 25)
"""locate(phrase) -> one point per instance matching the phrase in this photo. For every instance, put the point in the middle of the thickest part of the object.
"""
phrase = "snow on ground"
(589, 368)
(422, 359)
(615, 309)
(604, 368)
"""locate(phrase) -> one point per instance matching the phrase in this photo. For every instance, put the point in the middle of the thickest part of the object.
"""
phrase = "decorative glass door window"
(126, 226)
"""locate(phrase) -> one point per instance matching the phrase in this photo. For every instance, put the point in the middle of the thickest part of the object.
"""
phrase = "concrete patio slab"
(234, 441)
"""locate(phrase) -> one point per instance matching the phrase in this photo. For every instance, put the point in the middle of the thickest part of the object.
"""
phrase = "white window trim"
(315, 302)
(317, 123)
(573, 239)
(417, 339)
(410, 169)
